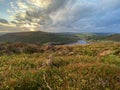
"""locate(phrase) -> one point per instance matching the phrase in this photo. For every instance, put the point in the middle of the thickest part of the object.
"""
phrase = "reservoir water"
(79, 42)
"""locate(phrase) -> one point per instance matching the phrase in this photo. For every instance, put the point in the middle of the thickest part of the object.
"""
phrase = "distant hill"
(99, 36)
(114, 37)
(38, 37)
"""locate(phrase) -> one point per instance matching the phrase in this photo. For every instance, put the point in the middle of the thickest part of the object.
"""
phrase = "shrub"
(29, 50)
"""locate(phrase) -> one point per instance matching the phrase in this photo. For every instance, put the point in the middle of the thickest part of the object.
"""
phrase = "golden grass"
(73, 68)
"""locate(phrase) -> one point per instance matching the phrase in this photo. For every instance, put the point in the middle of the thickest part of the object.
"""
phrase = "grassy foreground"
(84, 67)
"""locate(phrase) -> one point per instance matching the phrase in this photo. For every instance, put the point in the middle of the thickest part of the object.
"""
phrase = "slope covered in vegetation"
(83, 67)
(38, 37)
(115, 37)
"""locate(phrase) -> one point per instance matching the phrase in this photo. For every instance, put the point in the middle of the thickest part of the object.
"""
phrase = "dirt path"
(104, 53)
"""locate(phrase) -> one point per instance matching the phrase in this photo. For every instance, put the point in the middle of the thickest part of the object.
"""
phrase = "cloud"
(54, 12)
(66, 15)
(74, 12)
(110, 4)
(22, 5)
(4, 28)
(3, 21)
(38, 13)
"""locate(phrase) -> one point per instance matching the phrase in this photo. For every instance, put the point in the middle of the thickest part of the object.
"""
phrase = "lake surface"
(79, 42)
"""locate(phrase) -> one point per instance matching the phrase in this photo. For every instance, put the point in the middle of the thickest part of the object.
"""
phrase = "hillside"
(112, 37)
(115, 37)
(100, 36)
(83, 67)
(38, 37)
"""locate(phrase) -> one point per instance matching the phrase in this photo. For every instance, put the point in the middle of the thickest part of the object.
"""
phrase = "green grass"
(74, 68)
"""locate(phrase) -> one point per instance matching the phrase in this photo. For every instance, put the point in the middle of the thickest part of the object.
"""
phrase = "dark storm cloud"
(3, 21)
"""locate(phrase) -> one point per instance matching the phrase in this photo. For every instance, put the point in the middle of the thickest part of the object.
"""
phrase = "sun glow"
(32, 30)
(30, 27)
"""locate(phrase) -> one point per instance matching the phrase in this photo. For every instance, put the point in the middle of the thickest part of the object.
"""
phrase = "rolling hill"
(38, 37)
(100, 36)
(115, 37)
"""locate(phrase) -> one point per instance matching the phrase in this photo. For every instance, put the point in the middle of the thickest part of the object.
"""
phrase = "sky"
(60, 15)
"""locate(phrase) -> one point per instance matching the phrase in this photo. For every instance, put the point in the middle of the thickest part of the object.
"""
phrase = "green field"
(83, 67)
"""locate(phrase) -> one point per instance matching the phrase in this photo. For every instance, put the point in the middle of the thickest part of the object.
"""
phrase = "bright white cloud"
(22, 5)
